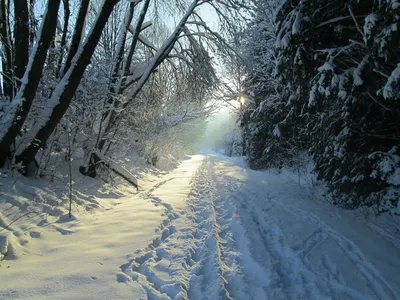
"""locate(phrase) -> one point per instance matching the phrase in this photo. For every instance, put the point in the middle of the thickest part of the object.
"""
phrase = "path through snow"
(253, 235)
(213, 229)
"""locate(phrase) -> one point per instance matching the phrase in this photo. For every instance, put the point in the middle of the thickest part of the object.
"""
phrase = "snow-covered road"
(222, 231)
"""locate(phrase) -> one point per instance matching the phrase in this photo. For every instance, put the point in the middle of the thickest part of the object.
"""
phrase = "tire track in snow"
(196, 270)
(209, 281)
(227, 244)
(243, 277)
(297, 280)
(289, 277)
(206, 256)
(385, 235)
(315, 239)
(377, 283)
(247, 279)
(246, 201)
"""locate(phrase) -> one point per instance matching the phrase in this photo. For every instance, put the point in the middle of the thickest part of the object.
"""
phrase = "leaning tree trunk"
(120, 52)
(116, 74)
(78, 31)
(67, 13)
(21, 104)
(64, 91)
(111, 115)
(134, 42)
(21, 38)
(90, 170)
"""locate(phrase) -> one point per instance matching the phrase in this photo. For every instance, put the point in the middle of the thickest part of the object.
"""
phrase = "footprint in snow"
(122, 277)
(35, 234)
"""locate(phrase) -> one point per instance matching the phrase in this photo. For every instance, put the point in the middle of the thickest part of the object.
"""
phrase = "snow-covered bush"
(233, 143)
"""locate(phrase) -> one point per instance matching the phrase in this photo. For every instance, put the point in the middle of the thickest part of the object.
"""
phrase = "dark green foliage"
(268, 122)
(338, 65)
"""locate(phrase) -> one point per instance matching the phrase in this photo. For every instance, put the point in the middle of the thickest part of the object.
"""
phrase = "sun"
(242, 100)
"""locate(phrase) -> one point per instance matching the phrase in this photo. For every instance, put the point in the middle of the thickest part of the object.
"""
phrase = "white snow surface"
(393, 79)
(369, 24)
(210, 229)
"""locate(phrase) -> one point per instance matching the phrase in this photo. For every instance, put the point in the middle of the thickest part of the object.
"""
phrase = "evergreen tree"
(266, 118)
(338, 71)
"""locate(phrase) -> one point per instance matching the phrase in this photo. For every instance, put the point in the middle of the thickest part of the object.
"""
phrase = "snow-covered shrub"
(233, 143)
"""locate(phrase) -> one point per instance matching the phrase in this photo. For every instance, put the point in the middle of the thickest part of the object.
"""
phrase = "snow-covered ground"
(210, 229)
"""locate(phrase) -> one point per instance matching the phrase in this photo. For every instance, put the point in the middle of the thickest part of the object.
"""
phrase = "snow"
(276, 132)
(327, 66)
(50, 106)
(357, 72)
(357, 77)
(312, 97)
(210, 229)
(283, 37)
(9, 112)
(394, 78)
(122, 34)
(296, 27)
(146, 25)
(164, 50)
(284, 43)
(333, 20)
(297, 58)
(3, 245)
(343, 79)
(394, 3)
(369, 24)
(57, 93)
(119, 168)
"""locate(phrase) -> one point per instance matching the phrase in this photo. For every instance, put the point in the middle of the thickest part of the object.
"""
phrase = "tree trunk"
(7, 58)
(116, 74)
(78, 31)
(117, 169)
(135, 39)
(22, 102)
(64, 37)
(21, 37)
(120, 53)
(64, 91)
(32, 21)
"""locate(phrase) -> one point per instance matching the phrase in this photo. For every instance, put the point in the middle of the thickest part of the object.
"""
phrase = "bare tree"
(20, 105)
(132, 61)
(64, 91)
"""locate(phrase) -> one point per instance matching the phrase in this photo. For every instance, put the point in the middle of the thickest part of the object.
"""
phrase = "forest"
(200, 149)
(325, 81)
(93, 81)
